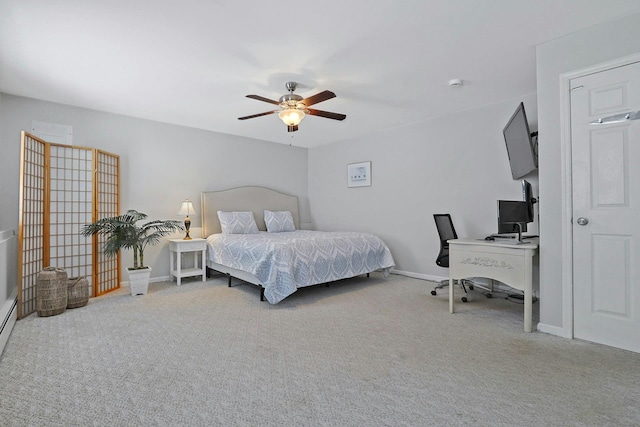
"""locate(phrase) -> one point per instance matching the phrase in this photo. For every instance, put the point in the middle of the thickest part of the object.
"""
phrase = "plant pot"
(139, 280)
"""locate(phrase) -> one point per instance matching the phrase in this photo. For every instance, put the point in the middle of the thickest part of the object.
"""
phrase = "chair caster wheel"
(434, 293)
(489, 296)
(464, 299)
(471, 287)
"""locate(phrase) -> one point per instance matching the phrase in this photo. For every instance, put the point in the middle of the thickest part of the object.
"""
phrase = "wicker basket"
(51, 292)
(78, 292)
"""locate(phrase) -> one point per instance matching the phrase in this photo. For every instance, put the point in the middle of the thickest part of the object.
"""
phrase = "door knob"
(582, 221)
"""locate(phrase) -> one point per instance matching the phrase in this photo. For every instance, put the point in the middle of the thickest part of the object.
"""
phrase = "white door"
(606, 207)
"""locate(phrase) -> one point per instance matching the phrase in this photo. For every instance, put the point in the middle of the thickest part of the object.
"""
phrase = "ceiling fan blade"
(257, 115)
(319, 97)
(327, 114)
(262, 98)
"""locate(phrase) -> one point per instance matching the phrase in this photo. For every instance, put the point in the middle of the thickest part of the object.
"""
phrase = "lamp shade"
(186, 209)
(291, 116)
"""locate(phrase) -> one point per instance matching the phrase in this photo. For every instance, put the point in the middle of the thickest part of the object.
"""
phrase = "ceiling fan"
(293, 107)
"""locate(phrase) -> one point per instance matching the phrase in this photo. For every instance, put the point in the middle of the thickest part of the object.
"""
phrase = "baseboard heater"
(8, 323)
(8, 285)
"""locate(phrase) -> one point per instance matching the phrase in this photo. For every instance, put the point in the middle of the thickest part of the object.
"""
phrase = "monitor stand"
(519, 230)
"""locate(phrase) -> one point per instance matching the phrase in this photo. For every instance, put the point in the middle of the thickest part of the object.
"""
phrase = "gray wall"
(579, 50)
(161, 164)
(455, 164)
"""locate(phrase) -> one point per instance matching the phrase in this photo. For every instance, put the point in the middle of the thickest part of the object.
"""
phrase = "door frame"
(567, 184)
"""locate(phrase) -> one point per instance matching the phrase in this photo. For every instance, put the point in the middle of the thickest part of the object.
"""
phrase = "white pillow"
(279, 221)
(237, 222)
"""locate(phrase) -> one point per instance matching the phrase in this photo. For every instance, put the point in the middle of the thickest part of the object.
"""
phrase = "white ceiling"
(192, 62)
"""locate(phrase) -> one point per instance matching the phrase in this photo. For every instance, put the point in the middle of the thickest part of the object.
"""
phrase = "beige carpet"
(363, 352)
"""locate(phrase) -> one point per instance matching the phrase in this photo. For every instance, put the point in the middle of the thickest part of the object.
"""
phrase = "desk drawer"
(509, 269)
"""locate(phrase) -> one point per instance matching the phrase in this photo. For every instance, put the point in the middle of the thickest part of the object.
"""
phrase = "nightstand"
(177, 247)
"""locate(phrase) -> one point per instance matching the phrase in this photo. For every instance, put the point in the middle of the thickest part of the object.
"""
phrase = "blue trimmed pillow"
(279, 221)
(237, 223)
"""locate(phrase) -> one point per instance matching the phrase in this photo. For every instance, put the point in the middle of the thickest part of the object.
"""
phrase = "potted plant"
(123, 232)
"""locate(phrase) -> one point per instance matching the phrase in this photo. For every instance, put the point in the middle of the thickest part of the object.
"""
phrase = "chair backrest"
(445, 227)
(446, 231)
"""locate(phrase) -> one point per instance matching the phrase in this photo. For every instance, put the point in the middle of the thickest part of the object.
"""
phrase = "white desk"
(504, 261)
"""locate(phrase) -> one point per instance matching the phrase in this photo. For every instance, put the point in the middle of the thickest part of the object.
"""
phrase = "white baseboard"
(554, 330)
(421, 276)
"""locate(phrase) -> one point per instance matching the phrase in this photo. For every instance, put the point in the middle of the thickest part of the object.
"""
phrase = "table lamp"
(186, 209)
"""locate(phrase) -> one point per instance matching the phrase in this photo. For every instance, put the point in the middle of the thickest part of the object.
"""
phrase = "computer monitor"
(520, 148)
(510, 214)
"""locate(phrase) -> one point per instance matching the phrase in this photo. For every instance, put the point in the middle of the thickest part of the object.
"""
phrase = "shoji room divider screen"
(62, 188)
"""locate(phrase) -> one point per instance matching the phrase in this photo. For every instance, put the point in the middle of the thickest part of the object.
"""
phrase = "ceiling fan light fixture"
(291, 116)
(293, 108)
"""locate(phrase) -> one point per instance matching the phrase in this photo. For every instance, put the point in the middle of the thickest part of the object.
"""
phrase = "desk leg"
(528, 291)
(528, 303)
(450, 295)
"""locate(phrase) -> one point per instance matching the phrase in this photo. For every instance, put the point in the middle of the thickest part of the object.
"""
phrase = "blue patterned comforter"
(286, 261)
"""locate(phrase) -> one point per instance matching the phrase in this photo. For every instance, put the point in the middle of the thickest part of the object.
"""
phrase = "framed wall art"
(359, 174)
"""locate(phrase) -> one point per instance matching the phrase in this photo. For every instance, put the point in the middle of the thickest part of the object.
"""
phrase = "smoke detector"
(455, 83)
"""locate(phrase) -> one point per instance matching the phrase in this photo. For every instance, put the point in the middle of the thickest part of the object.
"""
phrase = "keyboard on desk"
(511, 236)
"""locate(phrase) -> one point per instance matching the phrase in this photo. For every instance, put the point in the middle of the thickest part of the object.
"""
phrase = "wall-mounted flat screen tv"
(522, 156)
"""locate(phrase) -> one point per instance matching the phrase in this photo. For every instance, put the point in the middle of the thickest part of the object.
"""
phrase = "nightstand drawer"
(188, 245)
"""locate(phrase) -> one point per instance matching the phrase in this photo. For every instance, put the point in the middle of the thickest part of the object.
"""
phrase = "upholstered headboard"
(255, 199)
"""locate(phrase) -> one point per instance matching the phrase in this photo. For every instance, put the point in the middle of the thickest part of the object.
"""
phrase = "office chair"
(447, 232)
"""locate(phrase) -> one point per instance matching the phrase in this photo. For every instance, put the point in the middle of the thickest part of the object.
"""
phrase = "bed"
(282, 262)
